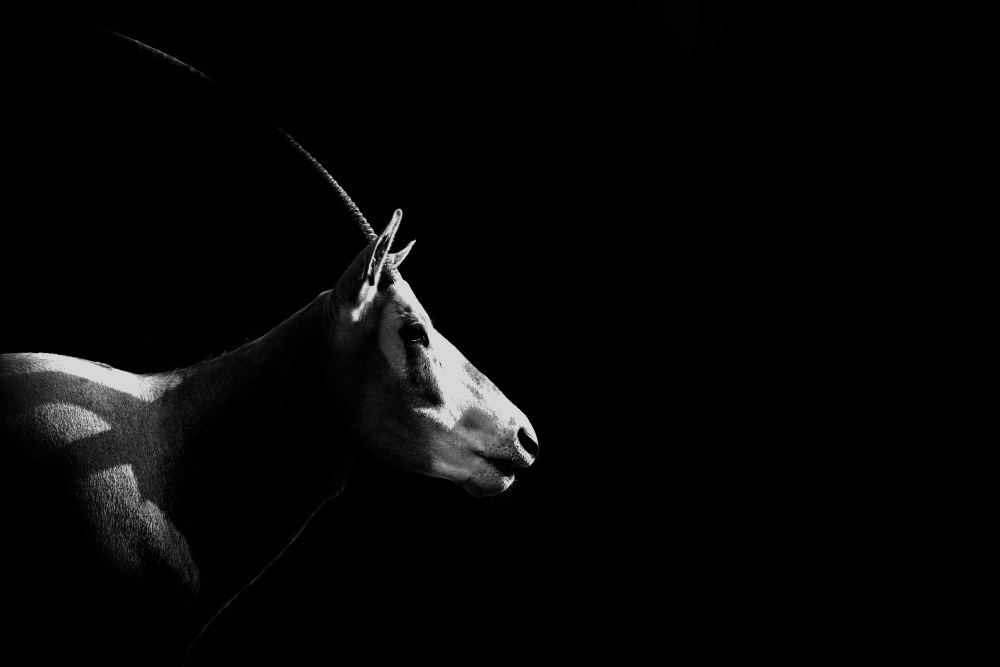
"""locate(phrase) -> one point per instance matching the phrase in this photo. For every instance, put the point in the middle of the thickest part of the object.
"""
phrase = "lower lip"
(505, 469)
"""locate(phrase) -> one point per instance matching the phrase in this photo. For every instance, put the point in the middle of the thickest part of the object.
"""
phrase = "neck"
(260, 447)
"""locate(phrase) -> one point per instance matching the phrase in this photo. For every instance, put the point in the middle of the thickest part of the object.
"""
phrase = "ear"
(398, 257)
(356, 288)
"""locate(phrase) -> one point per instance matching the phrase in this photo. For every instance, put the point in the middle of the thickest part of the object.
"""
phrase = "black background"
(584, 188)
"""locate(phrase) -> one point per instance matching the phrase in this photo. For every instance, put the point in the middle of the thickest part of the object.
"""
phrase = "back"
(49, 402)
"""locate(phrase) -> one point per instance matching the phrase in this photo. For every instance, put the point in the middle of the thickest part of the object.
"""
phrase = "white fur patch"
(66, 423)
(145, 388)
(135, 526)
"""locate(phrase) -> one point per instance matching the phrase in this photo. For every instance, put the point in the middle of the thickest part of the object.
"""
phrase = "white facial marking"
(144, 388)
(473, 422)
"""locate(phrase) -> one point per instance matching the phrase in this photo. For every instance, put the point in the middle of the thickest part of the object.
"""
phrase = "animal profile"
(174, 491)
(137, 506)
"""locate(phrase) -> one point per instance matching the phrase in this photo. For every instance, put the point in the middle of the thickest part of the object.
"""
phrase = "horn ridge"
(345, 199)
(348, 203)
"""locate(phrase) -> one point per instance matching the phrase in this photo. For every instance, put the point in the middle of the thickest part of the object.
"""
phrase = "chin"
(490, 485)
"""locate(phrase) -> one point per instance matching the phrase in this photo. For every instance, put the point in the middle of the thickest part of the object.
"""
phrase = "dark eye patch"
(414, 333)
(414, 337)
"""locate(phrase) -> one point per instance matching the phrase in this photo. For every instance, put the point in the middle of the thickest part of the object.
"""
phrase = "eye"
(414, 332)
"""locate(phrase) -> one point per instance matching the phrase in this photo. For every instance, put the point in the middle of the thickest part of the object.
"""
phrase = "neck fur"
(260, 445)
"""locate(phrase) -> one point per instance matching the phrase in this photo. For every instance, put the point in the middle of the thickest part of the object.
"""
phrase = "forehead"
(401, 300)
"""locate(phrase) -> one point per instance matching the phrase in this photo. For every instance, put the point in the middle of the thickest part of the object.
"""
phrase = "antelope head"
(412, 398)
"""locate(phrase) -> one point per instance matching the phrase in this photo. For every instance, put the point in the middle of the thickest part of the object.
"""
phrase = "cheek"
(405, 444)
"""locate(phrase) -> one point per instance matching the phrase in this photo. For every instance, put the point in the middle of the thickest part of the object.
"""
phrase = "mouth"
(505, 468)
(501, 479)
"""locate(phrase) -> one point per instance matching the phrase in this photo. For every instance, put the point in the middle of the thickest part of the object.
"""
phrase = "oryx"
(171, 492)
(135, 507)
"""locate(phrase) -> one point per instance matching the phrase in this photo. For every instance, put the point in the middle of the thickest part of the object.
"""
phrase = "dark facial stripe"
(420, 377)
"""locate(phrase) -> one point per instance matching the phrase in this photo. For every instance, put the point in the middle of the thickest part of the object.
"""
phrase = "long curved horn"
(345, 200)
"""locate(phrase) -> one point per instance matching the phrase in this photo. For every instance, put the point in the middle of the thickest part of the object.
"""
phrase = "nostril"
(527, 442)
